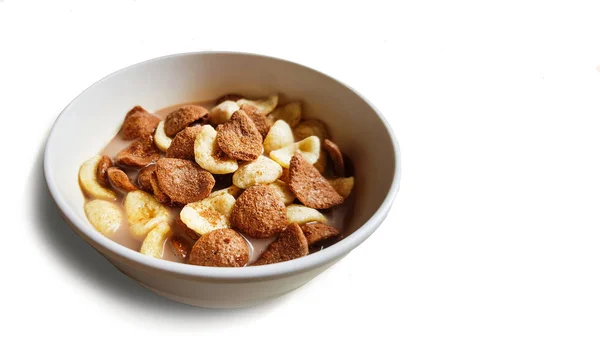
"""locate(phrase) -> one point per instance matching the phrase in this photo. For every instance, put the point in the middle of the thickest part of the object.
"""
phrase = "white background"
(494, 239)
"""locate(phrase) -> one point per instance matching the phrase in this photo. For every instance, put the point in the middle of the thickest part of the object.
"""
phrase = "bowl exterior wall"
(96, 115)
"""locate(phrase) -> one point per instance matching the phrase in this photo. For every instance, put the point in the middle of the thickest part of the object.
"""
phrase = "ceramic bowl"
(95, 116)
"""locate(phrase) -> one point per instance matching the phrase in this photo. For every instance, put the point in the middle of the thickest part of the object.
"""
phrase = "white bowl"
(95, 116)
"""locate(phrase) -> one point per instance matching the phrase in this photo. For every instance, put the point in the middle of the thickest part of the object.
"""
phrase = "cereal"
(264, 106)
(281, 188)
(343, 185)
(208, 154)
(239, 138)
(143, 213)
(222, 247)
(272, 172)
(182, 146)
(139, 153)
(232, 190)
(144, 178)
(336, 156)
(261, 171)
(182, 117)
(290, 113)
(103, 165)
(301, 214)
(180, 247)
(154, 242)
(158, 193)
(183, 229)
(229, 97)
(182, 180)
(138, 123)
(312, 189)
(260, 120)
(259, 212)
(311, 127)
(103, 215)
(161, 140)
(290, 244)
(222, 112)
(285, 175)
(119, 179)
(249, 109)
(317, 232)
(310, 148)
(208, 214)
(88, 180)
(280, 135)
(322, 163)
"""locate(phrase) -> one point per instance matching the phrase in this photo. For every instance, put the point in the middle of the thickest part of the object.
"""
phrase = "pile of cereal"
(214, 184)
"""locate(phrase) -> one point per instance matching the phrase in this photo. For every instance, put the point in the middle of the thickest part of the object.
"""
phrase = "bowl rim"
(303, 264)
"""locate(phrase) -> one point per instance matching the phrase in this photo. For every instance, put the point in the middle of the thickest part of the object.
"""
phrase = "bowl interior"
(94, 117)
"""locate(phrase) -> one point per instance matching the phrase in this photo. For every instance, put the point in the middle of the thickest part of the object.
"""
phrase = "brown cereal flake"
(260, 120)
(259, 212)
(182, 146)
(185, 230)
(309, 186)
(290, 244)
(239, 138)
(182, 117)
(180, 246)
(139, 153)
(222, 248)
(336, 156)
(138, 123)
(317, 232)
(229, 97)
(183, 181)
(158, 193)
(103, 165)
(144, 178)
(322, 162)
(285, 175)
(119, 179)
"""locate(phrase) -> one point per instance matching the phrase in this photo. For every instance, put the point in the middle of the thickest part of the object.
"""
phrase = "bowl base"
(210, 304)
